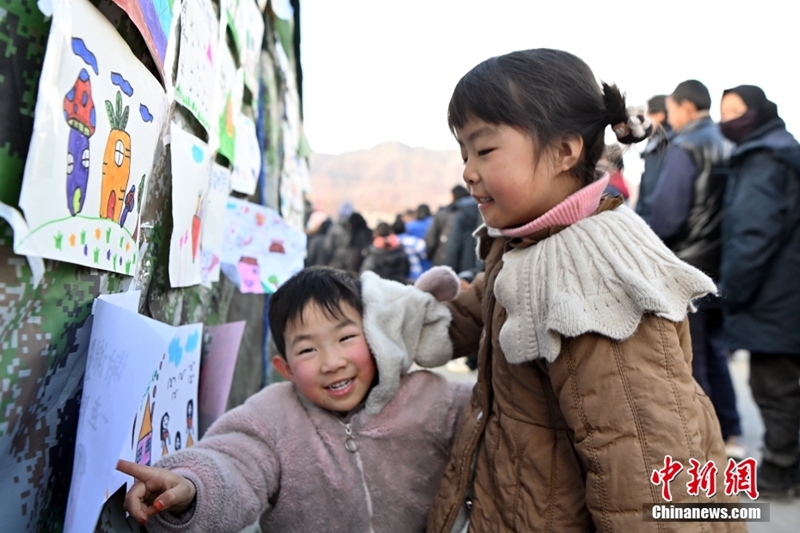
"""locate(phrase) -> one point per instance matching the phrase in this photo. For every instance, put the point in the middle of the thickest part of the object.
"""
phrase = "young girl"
(584, 379)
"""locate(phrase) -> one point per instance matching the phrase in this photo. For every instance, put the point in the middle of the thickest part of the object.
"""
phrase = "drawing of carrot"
(116, 161)
(197, 221)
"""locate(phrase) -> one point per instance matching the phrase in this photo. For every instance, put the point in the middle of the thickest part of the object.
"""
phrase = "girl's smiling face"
(513, 184)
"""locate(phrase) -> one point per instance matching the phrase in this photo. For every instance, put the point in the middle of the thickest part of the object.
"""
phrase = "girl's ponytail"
(630, 124)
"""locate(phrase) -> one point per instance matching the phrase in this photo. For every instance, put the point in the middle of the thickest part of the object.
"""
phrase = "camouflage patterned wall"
(44, 330)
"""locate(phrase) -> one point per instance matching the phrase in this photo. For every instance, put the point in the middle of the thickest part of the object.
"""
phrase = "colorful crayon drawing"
(144, 446)
(189, 423)
(250, 276)
(196, 61)
(117, 374)
(102, 110)
(116, 161)
(173, 387)
(247, 164)
(165, 440)
(197, 222)
(191, 171)
(80, 115)
(250, 22)
(213, 226)
(154, 19)
(227, 101)
(260, 250)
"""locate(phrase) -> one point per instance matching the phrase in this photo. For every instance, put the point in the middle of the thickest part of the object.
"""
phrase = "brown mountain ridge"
(384, 180)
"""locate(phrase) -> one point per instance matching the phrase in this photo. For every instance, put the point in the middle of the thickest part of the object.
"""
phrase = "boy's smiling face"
(327, 358)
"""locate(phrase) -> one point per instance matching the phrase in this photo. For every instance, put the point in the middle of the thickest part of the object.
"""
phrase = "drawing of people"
(189, 423)
(177, 441)
(249, 275)
(165, 434)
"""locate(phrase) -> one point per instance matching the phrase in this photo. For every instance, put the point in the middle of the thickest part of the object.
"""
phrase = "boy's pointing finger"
(132, 469)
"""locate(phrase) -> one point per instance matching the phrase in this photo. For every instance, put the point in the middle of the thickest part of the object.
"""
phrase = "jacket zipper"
(351, 445)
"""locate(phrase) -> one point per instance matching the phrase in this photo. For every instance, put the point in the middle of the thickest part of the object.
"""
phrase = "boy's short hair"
(325, 286)
(657, 104)
(695, 92)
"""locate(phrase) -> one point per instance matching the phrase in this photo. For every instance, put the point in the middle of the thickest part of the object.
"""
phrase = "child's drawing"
(214, 227)
(260, 250)
(189, 423)
(247, 164)
(144, 445)
(173, 385)
(250, 22)
(116, 159)
(197, 59)
(154, 20)
(227, 101)
(116, 378)
(80, 115)
(191, 170)
(229, 10)
(165, 440)
(98, 117)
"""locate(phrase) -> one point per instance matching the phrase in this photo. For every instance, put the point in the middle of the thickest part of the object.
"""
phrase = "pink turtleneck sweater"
(573, 208)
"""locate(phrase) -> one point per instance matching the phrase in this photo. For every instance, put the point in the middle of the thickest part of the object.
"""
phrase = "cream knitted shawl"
(599, 275)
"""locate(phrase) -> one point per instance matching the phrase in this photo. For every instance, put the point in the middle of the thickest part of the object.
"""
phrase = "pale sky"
(380, 70)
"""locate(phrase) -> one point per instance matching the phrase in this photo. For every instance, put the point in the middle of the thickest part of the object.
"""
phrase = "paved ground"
(784, 515)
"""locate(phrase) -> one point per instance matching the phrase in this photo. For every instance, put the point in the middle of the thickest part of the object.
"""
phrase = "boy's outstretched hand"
(155, 490)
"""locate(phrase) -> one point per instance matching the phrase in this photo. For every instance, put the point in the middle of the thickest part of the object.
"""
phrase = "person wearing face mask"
(760, 273)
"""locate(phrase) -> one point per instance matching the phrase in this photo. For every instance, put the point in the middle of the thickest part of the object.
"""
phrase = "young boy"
(352, 442)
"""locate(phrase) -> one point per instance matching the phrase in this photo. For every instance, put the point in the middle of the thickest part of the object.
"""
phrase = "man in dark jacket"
(653, 154)
(439, 231)
(461, 255)
(760, 273)
(334, 251)
(386, 255)
(686, 212)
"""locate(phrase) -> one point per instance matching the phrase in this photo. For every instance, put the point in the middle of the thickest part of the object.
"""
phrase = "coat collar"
(607, 203)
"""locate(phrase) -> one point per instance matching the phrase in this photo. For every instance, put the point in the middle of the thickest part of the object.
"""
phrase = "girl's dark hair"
(545, 93)
(357, 222)
(325, 286)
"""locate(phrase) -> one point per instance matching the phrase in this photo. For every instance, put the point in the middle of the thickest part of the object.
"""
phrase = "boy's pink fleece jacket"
(283, 458)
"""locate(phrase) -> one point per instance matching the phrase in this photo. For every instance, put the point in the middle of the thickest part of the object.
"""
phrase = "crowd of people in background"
(403, 249)
(724, 197)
